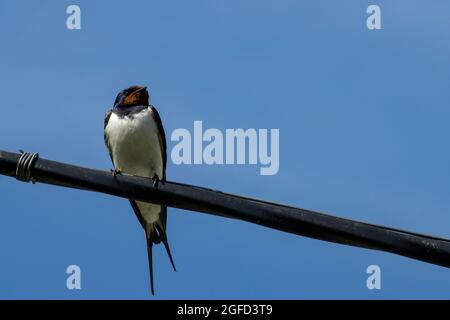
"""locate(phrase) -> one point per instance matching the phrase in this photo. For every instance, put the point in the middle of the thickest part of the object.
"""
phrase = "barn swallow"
(135, 138)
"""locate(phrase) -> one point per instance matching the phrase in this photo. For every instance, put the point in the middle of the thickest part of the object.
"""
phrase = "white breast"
(136, 150)
(135, 144)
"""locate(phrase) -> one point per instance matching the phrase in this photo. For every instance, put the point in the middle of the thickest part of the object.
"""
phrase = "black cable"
(277, 216)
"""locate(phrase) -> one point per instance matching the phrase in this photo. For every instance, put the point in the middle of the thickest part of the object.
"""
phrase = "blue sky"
(363, 118)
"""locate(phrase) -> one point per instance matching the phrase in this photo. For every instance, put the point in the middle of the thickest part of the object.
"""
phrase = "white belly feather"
(136, 150)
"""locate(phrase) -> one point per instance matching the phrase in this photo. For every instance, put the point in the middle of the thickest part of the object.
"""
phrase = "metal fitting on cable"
(24, 165)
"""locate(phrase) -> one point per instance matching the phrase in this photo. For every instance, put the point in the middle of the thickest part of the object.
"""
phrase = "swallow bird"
(135, 138)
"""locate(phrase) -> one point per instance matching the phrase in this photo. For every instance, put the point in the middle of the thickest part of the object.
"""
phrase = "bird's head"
(132, 96)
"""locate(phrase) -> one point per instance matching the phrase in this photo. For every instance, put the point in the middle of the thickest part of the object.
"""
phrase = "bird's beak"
(141, 89)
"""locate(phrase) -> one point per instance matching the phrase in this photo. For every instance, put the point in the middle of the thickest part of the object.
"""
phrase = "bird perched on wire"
(135, 138)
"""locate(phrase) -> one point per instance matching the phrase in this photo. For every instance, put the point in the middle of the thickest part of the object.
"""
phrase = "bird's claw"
(116, 171)
(156, 180)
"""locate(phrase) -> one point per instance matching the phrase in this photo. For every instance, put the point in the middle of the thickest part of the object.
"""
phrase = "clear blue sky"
(363, 118)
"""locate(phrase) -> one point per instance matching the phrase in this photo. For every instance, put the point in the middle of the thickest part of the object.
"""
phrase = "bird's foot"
(116, 171)
(156, 180)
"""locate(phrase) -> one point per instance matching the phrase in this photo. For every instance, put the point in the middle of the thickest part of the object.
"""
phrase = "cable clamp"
(24, 166)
